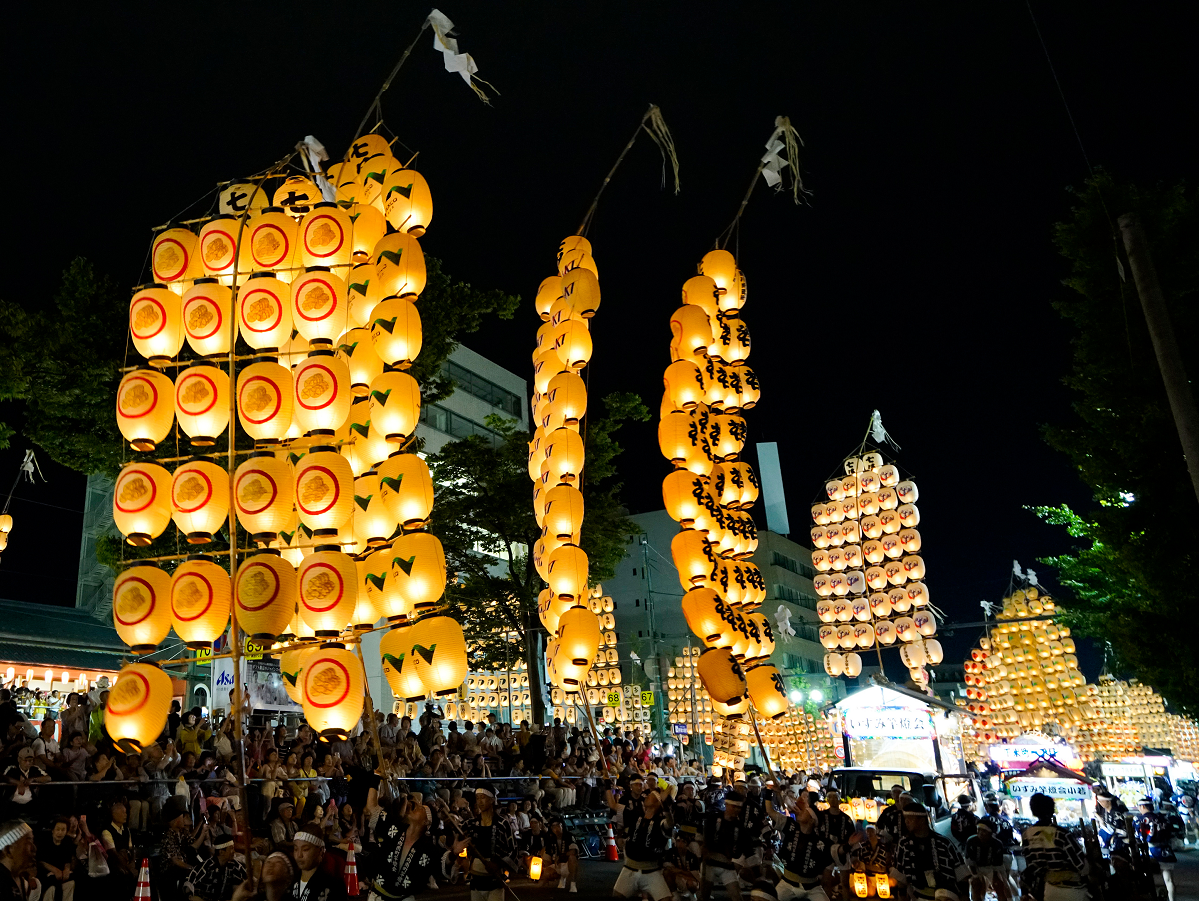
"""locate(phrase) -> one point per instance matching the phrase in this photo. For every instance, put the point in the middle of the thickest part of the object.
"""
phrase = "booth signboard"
(1065, 789)
(887, 722)
(1019, 757)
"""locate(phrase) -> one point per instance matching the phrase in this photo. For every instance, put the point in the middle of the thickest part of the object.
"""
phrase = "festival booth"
(892, 727)
(1070, 790)
(1133, 778)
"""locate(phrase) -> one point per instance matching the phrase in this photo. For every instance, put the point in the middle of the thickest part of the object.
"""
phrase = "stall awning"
(21, 657)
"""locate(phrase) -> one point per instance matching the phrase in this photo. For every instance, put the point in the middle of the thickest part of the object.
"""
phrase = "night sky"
(918, 280)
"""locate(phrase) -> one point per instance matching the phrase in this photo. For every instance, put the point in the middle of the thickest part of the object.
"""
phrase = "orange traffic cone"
(142, 892)
(613, 853)
(351, 873)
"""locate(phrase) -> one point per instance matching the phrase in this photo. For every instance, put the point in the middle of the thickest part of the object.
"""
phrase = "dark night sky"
(918, 281)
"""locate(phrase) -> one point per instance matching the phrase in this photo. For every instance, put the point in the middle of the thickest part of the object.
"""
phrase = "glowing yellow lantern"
(399, 664)
(141, 502)
(418, 570)
(400, 264)
(568, 393)
(722, 676)
(684, 384)
(728, 436)
(767, 691)
(218, 248)
(581, 291)
(322, 393)
(200, 601)
(263, 492)
(440, 655)
(568, 572)
(693, 558)
(265, 400)
(145, 408)
(291, 666)
(534, 868)
(264, 311)
(548, 292)
(200, 499)
(156, 324)
(325, 236)
(241, 198)
(407, 201)
(372, 522)
(563, 511)
(572, 344)
(173, 257)
(137, 707)
(579, 635)
(206, 310)
(141, 606)
(272, 236)
(265, 594)
(369, 229)
(704, 612)
(202, 402)
(332, 691)
(692, 334)
(358, 351)
(319, 306)
(396, 333)
(297, 195)
(546, 365)
(407, 489)
(328, 590)
(366, 614)
(365, 292)
(395, 406)
(563, 457)
(324, 491)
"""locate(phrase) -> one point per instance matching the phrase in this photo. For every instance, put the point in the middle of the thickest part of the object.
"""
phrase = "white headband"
(485, 791)
(310, 838)
(14, 833)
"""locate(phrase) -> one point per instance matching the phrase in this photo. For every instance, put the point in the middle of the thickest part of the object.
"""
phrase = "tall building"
(648, 595)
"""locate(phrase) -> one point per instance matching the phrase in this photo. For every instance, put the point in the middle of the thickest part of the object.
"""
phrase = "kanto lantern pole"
(1165, 344)
(761, 747)
(385, 766)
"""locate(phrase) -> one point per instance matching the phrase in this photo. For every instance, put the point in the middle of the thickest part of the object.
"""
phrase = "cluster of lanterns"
(580, 630)
(1131, 717)
(492, 691)
(709, 493)
(801, 741)
(324, 292)
(869, 572)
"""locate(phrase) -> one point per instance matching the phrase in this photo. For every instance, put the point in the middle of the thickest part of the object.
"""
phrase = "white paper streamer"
(462, 63)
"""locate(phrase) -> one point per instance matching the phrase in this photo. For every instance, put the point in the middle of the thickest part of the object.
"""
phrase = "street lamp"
(816, 696)
(797, 697)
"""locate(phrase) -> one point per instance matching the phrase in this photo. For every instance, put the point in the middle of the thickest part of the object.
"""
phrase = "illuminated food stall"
(891, 727)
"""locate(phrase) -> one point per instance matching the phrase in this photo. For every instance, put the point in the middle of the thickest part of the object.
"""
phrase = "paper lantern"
(745, 382)
(271, 236)
(141, 606)
(721, 267)
(264, 311)
(319, 306)
(141, 502)
(325, 236)
(135, 714)
(265, 594)
(828, 636)
(200, 601)
(548, 292)
(358, 351)
(263, 492)
(563, 458)
(418, 570)
(156, 324)
(322, 393)
(440, 656)
(581, 291)
(400, 264)
(200, 500)
(291, 666)
(218, 250)
(722, 676)
(328, 590)
(369, 229)
(579, 635)
(145, 408)
(568, 395)
(767, 692)
(546, 365)
(399, 663)
(406, 486)
(202, 402)
(562, 669)
(265, 400)
(324, 490)
(173, 256)
(534, 868)
(240, 198)
(297, 196)
(693, 558)
(834, 664)
(684, 384)
(395, 406)
(568, 572)
(925, 623)
(853, 665)
(701, 291)
(364, 293)
(332, 691)
(691, 335)
(550, 609)
(206, 309)
(933, 651)
(563, 511)
(372, 524)
(396, 332)
(407, 201)
(677, 437)
(905, 629)
(884, 632)
(572, 344)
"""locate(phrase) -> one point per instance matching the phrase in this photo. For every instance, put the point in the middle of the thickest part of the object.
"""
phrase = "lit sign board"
(865, 723)
(1067, 789)
(1018, 757)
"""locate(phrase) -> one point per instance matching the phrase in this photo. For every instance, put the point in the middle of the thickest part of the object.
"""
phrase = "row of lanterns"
(708, 386)
(332, 281)
(566, 303)
(869, 572)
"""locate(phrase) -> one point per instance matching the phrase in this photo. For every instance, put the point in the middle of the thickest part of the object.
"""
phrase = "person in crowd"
(1110, 812)
(805, 850)
(964, 823)
(118, 846)
(56, 855)
(562, 854)
(283, 825)
(647, 831)
(927, 860)
(17, 856)
(389, 729)
(872, 856)
(890, 819)
(724, 840)
(74, 757)
(408, 853)
(989, 864)
(688, 814)
(22, 777)
(312, 882)
(178, 854)
(216, 878)
(1155, 830)
(193, 732)
(492, 847)
(1051, 856)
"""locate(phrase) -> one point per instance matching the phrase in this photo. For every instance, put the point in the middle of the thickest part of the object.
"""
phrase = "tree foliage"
(1133, 578)
(484, 517)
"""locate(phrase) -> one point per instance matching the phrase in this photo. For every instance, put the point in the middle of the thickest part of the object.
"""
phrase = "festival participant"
(647, 833)
(1051, 856)
(930, 863)
(724, 840)
(805, 852)
(216, 878)
(562, 853)
(964, 824)
(1110, 811)
(492, 847)
(1154, 828)
(314, 883)
(17, 858)
(890, 820)
(688, 816)
(406, 853)
(680, 868)
(989, 864)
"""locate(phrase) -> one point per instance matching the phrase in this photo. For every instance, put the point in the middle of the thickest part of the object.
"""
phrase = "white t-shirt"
(42, 747)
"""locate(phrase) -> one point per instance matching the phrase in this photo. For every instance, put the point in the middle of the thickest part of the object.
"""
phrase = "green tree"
(484, 517)
(1133, 581)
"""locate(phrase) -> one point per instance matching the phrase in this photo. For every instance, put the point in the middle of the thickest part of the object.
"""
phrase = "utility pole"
(1165, 344)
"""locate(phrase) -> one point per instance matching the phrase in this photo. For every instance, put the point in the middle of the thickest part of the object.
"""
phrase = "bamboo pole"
(373, 724)
(762, 747)
(586, 223)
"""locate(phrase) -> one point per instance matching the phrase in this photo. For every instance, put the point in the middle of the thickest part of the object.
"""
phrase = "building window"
(484, 389)
(456, 425)
(787, 593)
(806, 632)
(792, 565)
